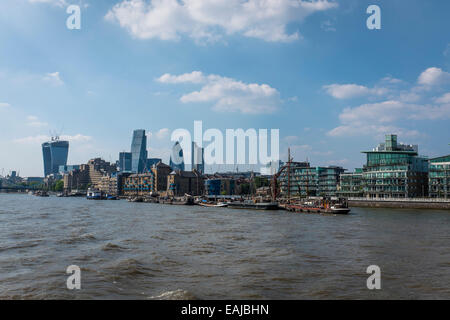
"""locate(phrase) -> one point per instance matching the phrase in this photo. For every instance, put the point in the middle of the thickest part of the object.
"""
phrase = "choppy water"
(151, 251)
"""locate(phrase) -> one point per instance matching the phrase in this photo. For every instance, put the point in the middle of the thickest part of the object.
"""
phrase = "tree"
(59, 185)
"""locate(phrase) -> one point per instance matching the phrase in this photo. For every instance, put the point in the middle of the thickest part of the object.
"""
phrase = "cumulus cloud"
(53, 79)
(38, 139)
(4, 105)
(444, 99)
(34, 121)
(210, 20)
(160, 134)
(433, 76)
(59, 3)
(398, 104)
(227, 94)
(376, 118)
(347, 91)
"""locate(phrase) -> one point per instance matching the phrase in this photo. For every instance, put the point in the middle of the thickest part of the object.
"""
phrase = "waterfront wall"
(415, 203)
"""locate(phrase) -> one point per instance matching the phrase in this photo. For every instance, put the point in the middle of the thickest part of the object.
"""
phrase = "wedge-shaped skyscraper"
(55, 154)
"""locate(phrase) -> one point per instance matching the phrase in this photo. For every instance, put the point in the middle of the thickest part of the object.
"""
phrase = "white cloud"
(59, 3)
(228, 95)
(444, 99)
(35, 122)
(4, 105)
(160, 134)
(54, 79)
(210, 20)
(347, 91)
(327, 25)
(38, 139)
(376, 118)
(433, 76)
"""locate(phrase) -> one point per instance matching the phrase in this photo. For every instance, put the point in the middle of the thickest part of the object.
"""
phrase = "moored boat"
(249, 204)
(213, 205)
(94, 194)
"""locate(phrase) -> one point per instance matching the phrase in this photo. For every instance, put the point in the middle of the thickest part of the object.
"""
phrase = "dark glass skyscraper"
(125, 161)
(55, 154)
(139, 151)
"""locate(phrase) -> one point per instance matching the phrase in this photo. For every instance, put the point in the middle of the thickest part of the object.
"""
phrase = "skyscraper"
(138, 151)
(197, 158)
(125, 161)
(55, 154)
(176, 158)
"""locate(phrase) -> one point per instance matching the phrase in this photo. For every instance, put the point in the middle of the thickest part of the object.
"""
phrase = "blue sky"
(311, 69)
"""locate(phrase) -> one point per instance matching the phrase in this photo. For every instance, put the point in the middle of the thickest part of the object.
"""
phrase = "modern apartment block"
(305, 180)
(395, 170)
(351, 184)
(439, 177)
(55, 154)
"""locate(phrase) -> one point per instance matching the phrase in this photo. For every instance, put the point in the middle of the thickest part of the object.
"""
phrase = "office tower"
(197, 158)
(125, 162)
(55, 154)
(139, 151)
(176, 159)
(151, 162)
(395, 170)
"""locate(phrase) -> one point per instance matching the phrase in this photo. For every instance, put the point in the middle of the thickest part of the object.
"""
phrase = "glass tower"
(55, 154)
(125, 161)
(139, 151)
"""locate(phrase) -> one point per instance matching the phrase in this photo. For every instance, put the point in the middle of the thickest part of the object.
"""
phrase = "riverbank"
(420, 203)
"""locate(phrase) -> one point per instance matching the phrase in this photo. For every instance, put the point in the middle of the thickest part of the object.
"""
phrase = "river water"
(151, 251)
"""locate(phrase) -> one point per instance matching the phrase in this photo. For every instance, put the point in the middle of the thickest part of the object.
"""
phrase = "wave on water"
(175, 295)
(112, 247)
(78, 238)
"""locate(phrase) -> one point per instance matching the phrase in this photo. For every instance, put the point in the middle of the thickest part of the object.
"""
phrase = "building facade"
(305, 180)
(185, 182)
(439, 177)
(124, 164)
(139, 151)
(351, 184)
(395, 170)
(55, 154)
(220, 186)
(153, 182)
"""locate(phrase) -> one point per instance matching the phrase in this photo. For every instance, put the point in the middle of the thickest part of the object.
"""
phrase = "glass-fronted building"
(125, 162)
(139, 151)
(351, 184)
(310, 181)
(55, 153)
(439, 177)
(395, 170)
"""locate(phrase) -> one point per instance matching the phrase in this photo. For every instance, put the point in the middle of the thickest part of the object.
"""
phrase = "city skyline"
(330, 85)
